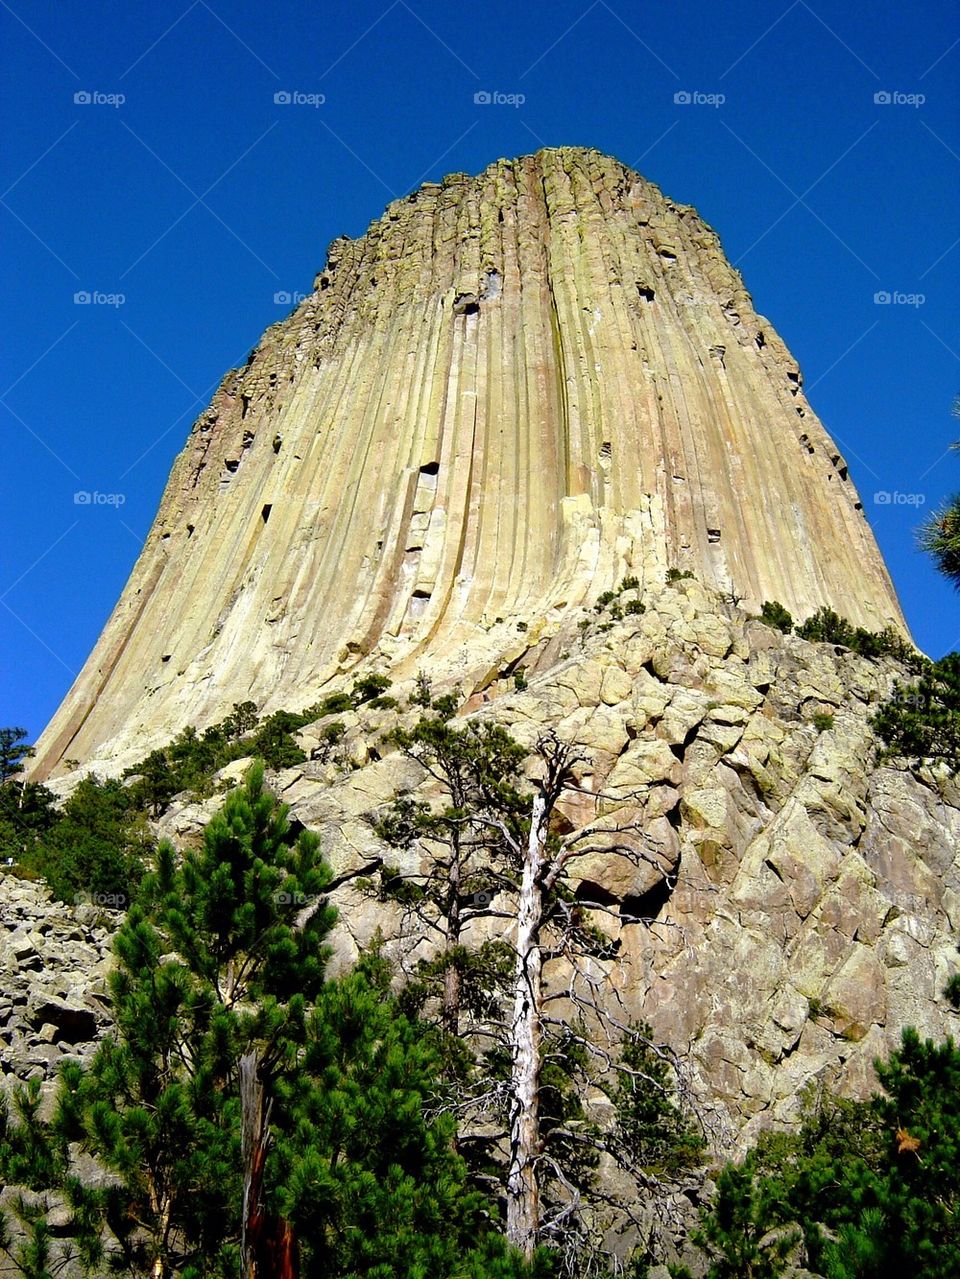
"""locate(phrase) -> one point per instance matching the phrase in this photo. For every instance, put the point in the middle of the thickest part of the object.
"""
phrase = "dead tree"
(551, 926)
(492, 834)
(523, 1190)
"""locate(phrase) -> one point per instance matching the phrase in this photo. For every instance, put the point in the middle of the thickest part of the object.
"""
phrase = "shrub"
(94, 849)
(774, 614)
(368, 688)
(676, 575)
(334, 704)
(274, 742)
(421, 695)
(822, 721)
(827, 627)
(921, 722)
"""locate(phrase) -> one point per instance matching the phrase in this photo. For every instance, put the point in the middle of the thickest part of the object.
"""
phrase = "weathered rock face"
(513, 390)
(803, 904)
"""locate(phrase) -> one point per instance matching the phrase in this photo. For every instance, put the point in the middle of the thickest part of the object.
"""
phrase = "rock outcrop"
(804, 903)
(513, 390)
(516, 391)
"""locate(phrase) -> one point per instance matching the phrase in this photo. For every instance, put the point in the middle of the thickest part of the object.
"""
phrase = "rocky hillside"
(54, 962)
(804, 903)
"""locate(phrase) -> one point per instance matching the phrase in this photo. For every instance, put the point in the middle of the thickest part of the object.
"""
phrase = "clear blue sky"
(199, 198)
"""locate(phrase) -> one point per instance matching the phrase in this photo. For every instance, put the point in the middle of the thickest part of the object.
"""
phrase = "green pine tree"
(30, 1156)
(468, 861)
(870, 1189)
(940, 533)
(92, 849)
(921, 722)
(371, 1183)
(211, 963)
(13, 751)
(220, 962)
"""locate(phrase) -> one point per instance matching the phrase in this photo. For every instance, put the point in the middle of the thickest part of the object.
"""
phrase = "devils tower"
(511, 392)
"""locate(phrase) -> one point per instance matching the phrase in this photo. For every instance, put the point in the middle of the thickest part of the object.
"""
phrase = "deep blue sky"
(199, 199)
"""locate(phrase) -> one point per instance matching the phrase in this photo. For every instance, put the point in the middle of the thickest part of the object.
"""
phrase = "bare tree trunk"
(162, 1207)
(523, 1193)
(253, 1147)
(268, 1247)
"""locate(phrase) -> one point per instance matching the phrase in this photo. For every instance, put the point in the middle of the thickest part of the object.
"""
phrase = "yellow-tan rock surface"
(515, 389)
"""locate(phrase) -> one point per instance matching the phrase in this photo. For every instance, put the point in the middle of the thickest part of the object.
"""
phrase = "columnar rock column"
(515, 389)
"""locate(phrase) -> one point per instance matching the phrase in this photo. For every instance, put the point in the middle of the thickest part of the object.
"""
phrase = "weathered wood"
(268, 1247)
(253, 1141)
(523, 1192)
